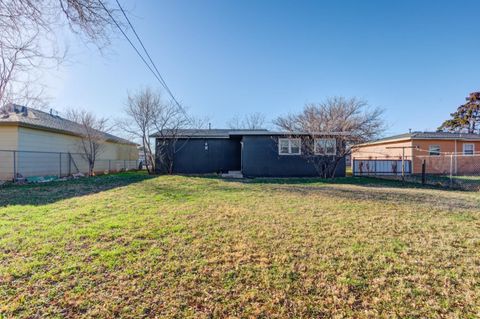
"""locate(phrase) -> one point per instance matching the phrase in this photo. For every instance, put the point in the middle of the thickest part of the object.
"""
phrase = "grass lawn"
(471, 180)
(471, 183)
(133, 246)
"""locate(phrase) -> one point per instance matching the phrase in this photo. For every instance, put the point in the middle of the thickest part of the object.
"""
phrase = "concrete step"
(233, 174)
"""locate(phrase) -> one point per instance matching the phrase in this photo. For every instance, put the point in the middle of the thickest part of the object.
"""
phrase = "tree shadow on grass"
(465, 184)
(47, 193)
(370, 189)
(435, 199)
(357, 181)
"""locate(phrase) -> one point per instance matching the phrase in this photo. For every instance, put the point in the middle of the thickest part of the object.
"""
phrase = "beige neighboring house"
(36, 143)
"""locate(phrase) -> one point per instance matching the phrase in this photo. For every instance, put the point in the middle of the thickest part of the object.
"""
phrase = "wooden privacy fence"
(20, 164)
(381, 167)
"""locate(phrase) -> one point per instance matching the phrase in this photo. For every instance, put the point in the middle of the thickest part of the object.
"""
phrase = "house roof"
(227, 133)
(425, 136)
(33, 118)
(198, 133)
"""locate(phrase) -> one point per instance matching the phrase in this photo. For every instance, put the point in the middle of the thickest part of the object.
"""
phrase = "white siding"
(8, 141)
(39, 164)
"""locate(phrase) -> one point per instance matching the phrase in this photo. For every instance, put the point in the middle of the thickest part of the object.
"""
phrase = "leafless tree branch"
(29, 41)
(92, 139)
(355, 118)
(253, 121)
(141, 112)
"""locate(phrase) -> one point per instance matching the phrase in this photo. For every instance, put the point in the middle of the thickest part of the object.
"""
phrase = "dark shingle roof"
(427, 136)
(199, 133)
(444, 135)
(227, 133)
(34, 118)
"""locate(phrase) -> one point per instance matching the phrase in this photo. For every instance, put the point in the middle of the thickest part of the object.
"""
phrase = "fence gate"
(380, 167)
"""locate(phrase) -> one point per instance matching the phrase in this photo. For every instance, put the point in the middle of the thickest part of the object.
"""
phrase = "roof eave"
(54, 130)
(411, 138)
(260, 133)
(403, 139)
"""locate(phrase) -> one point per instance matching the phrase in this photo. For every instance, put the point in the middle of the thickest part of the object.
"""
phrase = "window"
(468, 149)
(434, 150)
(325, 146)
(289, 146)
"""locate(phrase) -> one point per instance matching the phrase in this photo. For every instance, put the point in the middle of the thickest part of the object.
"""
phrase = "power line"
(148, 55)
(130, 41)
(157, 75)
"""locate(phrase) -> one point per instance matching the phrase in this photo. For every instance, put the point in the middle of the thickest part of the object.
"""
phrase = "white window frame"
(473, 149)
(290, 146)
(325, 139)
(430, 150)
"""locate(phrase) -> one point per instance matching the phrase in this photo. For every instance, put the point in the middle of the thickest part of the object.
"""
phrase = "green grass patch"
(135, 246)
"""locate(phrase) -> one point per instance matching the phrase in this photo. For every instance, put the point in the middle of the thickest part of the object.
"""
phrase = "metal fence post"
(451, 169)
(69, 164)
(42, 163)
(423, 172)
(455, 152)
(456, 163)
(14, 166)
(403, 164)
(60, 165)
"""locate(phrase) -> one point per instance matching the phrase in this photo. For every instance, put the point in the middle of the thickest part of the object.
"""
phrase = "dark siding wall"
(260, 159)
(192, 158)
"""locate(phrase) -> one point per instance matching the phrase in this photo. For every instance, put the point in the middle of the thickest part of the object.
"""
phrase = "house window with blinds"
(289, 146)
(434, 150)
(468, 149)
(325, 146)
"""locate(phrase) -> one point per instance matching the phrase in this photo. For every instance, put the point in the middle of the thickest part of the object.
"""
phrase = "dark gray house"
(252, 153)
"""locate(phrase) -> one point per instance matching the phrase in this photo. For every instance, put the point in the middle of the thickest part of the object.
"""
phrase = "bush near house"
(130, 245)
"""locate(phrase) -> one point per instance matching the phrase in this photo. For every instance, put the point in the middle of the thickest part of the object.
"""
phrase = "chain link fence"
(453, 170)
(15, 165)
(445, 169)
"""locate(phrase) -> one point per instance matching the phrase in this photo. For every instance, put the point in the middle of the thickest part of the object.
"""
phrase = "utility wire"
(148, 55)
(131, 43)
(157, 75)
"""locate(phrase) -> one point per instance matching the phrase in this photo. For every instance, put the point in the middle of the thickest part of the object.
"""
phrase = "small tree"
(349, 121)
(92, 135)
(169, 121)
(142, 111)
(146, 112)
(252, 121)
(466, 118)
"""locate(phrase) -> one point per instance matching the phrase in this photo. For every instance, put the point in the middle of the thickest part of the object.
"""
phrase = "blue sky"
(415, 59)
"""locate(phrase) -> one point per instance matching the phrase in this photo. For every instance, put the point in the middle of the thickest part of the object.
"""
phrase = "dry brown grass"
(201, 248)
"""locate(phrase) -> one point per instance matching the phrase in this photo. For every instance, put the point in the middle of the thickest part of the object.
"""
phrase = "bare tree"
(90, 19)
(253, 121)
(349, 121)
(92, 135)
(146, 112)
(169, 121)
(141, 112)
(29, 41)
(20, 62)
